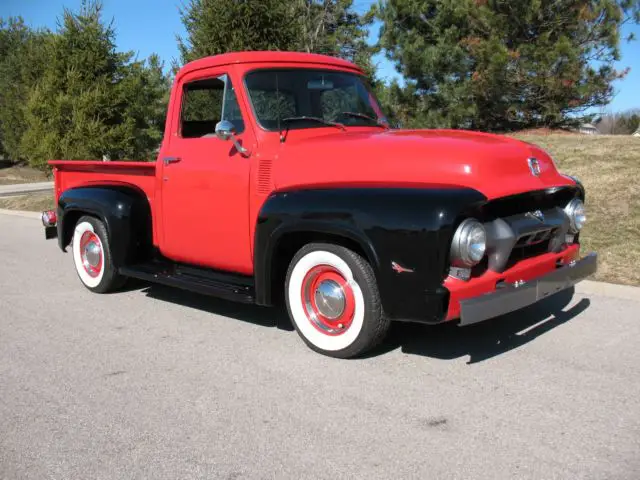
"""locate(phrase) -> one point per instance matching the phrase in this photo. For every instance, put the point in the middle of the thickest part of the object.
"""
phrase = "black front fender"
(124, 211)
(411, 227)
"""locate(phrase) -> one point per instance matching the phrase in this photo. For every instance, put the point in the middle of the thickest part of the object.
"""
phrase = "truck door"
(205, 181)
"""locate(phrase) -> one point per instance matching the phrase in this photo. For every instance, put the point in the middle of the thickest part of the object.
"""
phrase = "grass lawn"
(609, 167)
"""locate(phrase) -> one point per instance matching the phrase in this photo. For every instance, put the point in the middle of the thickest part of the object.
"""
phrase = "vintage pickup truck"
(279, 178)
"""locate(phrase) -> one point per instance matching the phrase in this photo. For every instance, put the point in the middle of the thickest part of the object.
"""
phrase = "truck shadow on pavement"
(487, 339)
(263, 316)
(445, 341)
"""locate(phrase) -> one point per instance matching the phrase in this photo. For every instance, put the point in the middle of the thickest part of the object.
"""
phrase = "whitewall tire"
(333, 301)
(92, 256)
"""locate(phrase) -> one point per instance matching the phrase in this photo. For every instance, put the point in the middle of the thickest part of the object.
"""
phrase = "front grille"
(535, 238)
(516, 237)
(522, 252)
(528, 202)
(515, 232)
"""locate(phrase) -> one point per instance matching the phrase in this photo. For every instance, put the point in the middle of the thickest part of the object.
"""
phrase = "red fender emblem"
(400, 269)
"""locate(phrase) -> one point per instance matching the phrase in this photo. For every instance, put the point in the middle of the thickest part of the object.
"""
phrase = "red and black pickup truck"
(279, 178)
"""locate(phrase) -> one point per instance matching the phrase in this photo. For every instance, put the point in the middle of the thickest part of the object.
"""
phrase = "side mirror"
(225, 130)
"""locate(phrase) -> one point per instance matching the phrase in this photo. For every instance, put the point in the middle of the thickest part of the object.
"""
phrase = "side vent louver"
(264, 175)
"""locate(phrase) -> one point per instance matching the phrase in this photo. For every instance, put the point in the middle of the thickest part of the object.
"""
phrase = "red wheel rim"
(91, 253)
(328, 300)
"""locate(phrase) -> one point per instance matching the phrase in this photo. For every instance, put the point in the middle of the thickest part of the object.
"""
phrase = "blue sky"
(151, 26)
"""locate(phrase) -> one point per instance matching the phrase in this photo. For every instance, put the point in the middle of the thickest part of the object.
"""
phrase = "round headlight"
(469, 243)
(577, 216)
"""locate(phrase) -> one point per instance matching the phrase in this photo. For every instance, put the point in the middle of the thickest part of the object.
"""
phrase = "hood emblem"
(537, 215)
(400, 269)
(534, 166)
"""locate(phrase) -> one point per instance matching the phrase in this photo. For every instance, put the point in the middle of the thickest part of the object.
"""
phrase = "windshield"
(306, 98)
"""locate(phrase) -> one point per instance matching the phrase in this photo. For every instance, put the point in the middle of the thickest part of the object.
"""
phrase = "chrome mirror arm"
(226, 131)
(243, 151)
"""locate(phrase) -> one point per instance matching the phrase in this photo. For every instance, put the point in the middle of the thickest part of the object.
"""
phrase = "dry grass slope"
(12, 174)
(36, 202)
(609, 167)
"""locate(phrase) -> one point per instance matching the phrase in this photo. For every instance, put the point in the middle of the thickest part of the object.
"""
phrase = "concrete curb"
(586, 287)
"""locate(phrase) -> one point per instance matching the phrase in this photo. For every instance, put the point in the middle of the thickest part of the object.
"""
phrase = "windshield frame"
(382, 120)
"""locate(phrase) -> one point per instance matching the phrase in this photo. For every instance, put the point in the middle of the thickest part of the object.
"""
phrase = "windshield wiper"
(315, 119)
(366, 117)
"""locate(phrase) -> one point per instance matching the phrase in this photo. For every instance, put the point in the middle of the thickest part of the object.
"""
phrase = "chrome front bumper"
(513, 297)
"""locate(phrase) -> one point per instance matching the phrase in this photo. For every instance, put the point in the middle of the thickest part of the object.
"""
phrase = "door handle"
(168, 160)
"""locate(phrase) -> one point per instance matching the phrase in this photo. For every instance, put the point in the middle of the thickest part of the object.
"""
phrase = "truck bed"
(81, 173)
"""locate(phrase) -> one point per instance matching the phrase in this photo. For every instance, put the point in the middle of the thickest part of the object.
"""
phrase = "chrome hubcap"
(92, 254)
(330, 299)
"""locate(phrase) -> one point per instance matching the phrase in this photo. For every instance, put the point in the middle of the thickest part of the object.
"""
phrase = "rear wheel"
(92, 256)
(333, 301)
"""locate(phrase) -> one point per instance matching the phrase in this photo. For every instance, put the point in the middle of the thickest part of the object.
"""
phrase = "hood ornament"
(534, 166)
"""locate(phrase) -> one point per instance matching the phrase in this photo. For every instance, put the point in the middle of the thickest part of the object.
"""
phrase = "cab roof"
(267, 57)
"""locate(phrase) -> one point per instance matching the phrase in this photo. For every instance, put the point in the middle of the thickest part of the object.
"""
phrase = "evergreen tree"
(92, 101)
(331, 27)
(219, 26)
(504, 64)
(144, 98)
(21, 64)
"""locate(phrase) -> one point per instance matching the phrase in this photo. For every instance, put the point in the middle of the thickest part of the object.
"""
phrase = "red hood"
(492, 164)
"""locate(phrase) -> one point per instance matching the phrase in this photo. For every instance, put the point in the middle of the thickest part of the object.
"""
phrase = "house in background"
(636, 133)
(588, 129)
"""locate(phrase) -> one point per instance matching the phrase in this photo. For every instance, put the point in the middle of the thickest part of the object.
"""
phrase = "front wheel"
(333, 301)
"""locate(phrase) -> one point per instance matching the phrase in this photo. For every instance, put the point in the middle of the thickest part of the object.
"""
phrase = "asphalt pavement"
(157, 383)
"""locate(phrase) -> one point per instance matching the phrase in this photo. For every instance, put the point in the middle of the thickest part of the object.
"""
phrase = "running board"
(200, 280)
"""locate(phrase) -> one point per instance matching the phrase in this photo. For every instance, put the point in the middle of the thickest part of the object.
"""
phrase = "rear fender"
(125, 212)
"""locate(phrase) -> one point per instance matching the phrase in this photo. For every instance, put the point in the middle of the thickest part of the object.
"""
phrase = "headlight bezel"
(575, 210)
(463, 253)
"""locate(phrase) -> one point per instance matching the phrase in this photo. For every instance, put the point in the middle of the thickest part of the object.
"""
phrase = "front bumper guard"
(515, 296)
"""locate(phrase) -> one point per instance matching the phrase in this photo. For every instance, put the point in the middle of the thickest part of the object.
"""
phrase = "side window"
(205, 103)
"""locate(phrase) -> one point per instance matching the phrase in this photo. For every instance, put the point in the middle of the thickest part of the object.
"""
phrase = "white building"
(588, 129)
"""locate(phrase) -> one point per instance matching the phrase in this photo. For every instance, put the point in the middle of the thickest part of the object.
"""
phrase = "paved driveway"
(157, 383)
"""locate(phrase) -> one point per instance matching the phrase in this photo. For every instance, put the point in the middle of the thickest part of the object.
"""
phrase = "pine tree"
(21, 64)
(219, 26)
(504, 64)
(331, 27)
(92, 101)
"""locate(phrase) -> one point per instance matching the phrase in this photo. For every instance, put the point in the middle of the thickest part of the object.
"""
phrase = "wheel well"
(70, 220)
(289, 245)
